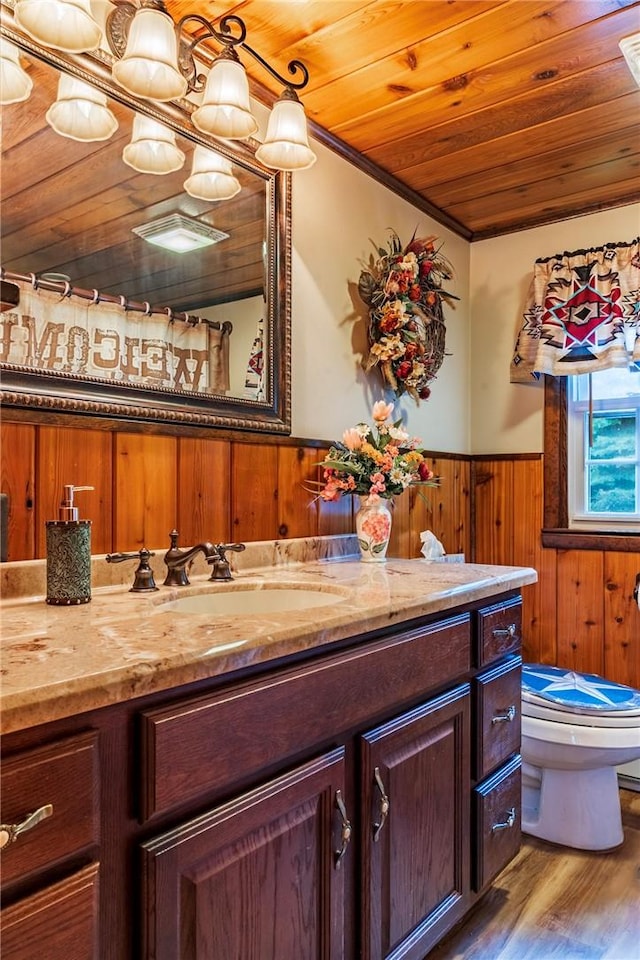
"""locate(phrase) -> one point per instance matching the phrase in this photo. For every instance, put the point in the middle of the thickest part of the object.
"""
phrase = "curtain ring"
(67, 290)
(34, 281)
(193, 320)
(124, 303)
(95, 298)
(147, 309)
(169, 313)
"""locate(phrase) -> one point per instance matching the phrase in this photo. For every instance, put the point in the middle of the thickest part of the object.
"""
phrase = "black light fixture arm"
(232, 34)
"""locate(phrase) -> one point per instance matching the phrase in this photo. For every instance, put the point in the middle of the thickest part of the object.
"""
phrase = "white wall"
(337, 212)
(504, 417)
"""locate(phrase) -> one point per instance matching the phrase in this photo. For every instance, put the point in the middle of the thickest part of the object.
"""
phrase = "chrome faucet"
(177, 560)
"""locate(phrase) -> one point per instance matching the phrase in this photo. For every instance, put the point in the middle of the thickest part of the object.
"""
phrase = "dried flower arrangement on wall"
(403, 290)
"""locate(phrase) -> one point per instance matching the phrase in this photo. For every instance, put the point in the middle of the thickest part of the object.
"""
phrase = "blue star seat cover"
(584, 692)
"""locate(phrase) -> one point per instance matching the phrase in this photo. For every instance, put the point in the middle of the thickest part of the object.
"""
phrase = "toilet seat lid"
(584, 693)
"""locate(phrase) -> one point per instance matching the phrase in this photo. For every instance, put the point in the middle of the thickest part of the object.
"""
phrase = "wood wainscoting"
(580, 614)
(206, 487)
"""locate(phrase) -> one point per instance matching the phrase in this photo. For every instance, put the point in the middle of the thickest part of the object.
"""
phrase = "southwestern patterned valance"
(582, 313)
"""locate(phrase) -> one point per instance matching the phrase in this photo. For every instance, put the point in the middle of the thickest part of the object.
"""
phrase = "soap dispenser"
(68, 554)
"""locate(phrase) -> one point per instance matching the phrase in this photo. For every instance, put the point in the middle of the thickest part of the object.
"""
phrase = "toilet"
(576, 728)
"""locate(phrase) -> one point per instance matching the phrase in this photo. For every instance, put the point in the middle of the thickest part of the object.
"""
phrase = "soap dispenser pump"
(68, 553)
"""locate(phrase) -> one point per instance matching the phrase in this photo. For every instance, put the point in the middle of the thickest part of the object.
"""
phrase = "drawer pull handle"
(508, 823)
(510, 632)
(384, 805)
(9, 832)
(505, 717)
(345, 832)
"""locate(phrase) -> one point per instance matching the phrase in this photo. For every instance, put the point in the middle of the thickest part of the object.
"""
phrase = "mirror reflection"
(166, 239)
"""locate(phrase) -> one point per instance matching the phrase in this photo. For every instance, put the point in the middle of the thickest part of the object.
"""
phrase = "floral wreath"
(403, 290)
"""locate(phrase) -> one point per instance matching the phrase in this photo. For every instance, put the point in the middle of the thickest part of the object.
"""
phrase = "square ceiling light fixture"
(179, 234)
(630, 47)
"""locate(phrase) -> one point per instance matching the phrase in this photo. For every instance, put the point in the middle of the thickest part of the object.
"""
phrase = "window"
(603, 450)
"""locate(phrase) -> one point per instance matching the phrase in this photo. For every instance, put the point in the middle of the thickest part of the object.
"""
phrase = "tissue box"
(449, 558)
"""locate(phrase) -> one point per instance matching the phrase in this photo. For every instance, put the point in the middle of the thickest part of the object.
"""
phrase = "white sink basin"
(219, 601)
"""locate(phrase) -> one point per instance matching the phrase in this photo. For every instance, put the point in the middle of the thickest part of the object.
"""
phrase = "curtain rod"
(94, 297)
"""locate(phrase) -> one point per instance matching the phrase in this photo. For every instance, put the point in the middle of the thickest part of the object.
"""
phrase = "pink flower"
(352, 439)
(382, 411)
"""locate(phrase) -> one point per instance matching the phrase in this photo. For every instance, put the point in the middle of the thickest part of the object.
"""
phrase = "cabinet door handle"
(506, 824)
(384, 805)
(510, 632)
(9, 832)
(506, 716)
(345, 831)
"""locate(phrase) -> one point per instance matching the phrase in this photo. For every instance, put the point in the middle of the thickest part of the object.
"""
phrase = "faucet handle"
(222, 548)
(143, 578)
(221, 568)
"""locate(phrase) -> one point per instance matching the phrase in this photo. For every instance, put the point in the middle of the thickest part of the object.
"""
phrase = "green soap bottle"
(68, 554)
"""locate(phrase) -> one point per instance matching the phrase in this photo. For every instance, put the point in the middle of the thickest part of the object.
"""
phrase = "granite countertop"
(59, 661)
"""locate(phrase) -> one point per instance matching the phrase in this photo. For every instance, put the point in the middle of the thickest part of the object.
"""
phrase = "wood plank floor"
(553, 903)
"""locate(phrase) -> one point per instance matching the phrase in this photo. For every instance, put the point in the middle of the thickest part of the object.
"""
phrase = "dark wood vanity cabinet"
(50, 833)
(352, 804)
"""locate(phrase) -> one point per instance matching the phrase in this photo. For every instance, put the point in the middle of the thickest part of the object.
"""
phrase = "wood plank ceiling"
(492, 115)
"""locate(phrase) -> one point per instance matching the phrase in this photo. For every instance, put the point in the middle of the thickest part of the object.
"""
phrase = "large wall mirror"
(125, 294)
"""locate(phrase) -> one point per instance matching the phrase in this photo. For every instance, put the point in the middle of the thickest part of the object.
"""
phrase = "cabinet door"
(416, 858)
(256, 877)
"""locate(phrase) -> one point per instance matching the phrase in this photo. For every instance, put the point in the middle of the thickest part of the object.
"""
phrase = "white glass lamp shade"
(80, 112)
(286, 145)
(61, 24)
(211, 176)
(630, 47)
(153, 148)
(149, 67)
(225, 110)
(15, 82)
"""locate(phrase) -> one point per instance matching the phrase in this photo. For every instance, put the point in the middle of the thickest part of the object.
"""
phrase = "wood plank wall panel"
(334, 518)
(17, 473)
(297, 503)
(622, 619)
(539, 599)
(401, 542)
(254, 491)
(580, 620)
(450, 505)
(204, 482)
(493, 511)
(83, 458)
(146, 490)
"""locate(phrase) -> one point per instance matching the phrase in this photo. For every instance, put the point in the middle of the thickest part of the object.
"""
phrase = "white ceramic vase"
(373, 528)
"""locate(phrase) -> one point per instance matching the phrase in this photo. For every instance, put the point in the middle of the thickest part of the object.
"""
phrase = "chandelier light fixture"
(630, 47)
(154, 61)
(211, 176)
(80, 112)
(15, 82)
(152, 148)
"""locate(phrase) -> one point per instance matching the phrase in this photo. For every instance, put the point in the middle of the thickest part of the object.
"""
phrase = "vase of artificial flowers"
(373, 528)
(377, 463)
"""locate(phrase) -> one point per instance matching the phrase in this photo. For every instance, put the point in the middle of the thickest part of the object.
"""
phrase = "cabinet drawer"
(497, 822)
(499, 631)
(58, 923)
(498, 695)
(213, 742)
(63, 774)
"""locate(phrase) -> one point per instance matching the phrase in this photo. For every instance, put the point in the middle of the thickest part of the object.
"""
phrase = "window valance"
(582, 313)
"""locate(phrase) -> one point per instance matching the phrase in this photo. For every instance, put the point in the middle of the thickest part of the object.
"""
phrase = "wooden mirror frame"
(27, 388)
